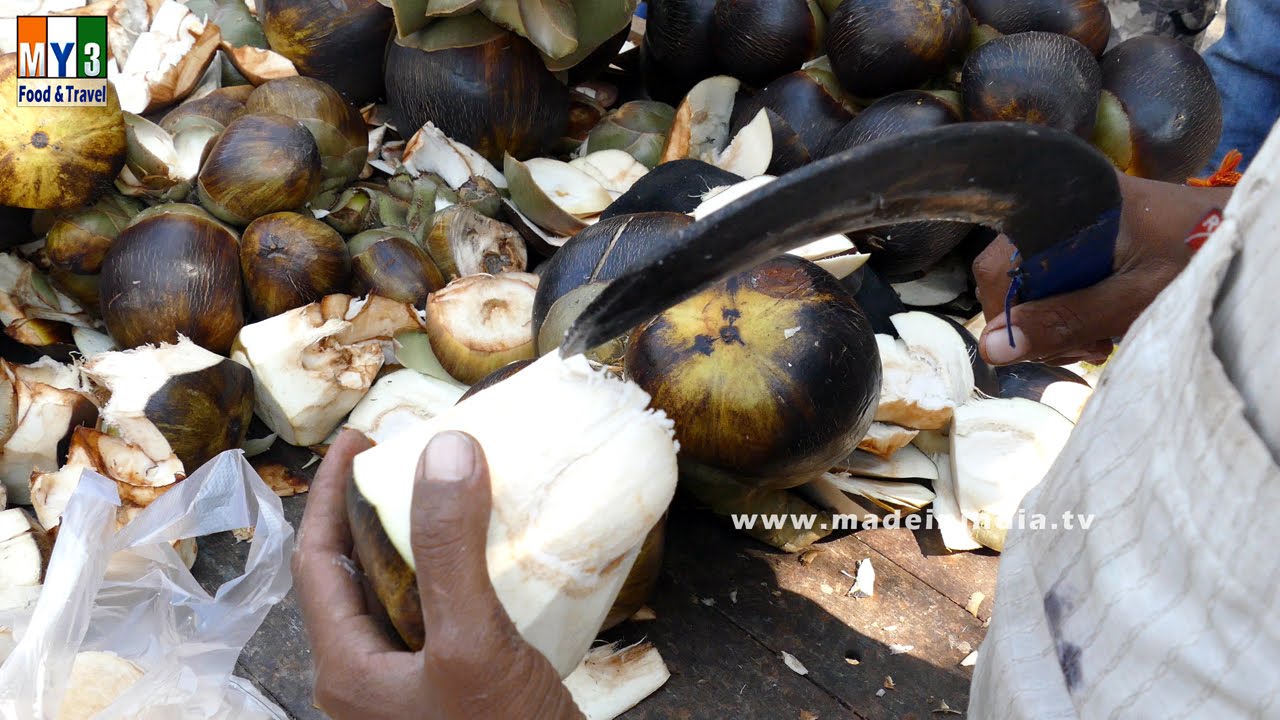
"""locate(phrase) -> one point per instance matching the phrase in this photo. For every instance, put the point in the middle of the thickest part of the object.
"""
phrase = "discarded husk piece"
(540, 241)
(431, 151)
(156, 167)
(927, 372)
(556, 195)
(77, 241)
(885, 439)
(175, 399)
(413, 350)
(560, 542)
(562, 314)
(25, 295)
(333, 45)
(610, 681)
(906, 464)
(728, 497)
(479, 323)
(162, 64)
(397, 399)
(389, 264)
(702, 125)
(946, 512)
(462, 241)
(1000, 450)
(638, 127)
(615, 170)
(24, 549)
(887, 495)
(642, 580)
(140, 478)
(258, 65)
(312, 365)
(596, 28)
(40, 406)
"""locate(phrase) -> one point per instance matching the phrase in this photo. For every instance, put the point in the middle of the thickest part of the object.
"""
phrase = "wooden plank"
(802, 609)
(955, 575)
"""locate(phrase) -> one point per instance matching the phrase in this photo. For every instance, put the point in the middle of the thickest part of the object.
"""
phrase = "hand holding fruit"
(473, 662)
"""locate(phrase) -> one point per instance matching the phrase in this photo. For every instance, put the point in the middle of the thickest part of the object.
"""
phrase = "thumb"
(449, 528)
(1063, 324)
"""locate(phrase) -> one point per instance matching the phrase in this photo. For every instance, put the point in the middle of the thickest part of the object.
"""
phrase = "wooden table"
(727, 608)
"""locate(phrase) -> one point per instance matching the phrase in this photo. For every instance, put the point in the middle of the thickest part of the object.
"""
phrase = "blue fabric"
(1246, 66)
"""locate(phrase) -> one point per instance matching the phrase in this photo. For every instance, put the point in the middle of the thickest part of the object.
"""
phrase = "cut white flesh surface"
(926, 372)
(751, 150)
(720, 197)
(842, 266)
(1068, 398)
(951, 524)
(939, 286)
(570, 188)
(482, 318)
(134, 376)
(39, 404)
(399, 399)
(167, 52)
(431, 151)
(311, 365)
(25, 294)
(15, 522)
(885, 439)
(611, 681)
(580, 469)
(22, 560)
(51, 491)
(97, 679)
(889, 495)
(907, 463)
(1000, 450)
(616, 170)
(932, 442)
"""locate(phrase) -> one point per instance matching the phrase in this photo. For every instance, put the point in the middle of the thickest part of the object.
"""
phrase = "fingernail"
(450, 457)
(995, 345)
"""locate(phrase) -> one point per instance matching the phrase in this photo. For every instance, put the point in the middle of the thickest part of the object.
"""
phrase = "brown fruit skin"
(497, 97)
(398, 269)
(750, 394)
(677, 51)
(259, 165)
(222, 106)
(1036, 77)
(337, 125)
(392, 580)
(56, 158)
(899, 250)
(337, 42)
(877, 47)
(1174, 110)
(496, 377)
(290, 260)
(174, 270)
(205, 412)
(757, 41)
(1086, 21)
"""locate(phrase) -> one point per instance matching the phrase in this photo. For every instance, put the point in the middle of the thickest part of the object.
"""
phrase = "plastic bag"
(129, 592)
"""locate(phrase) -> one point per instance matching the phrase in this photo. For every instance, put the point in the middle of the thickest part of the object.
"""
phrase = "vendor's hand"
(473, 663)
(1150, 252)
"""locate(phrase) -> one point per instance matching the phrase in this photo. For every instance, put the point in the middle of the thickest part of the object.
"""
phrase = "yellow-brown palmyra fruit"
(56, 158)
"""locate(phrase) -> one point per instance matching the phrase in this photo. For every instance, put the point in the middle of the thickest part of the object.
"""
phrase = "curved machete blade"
(1056, 198)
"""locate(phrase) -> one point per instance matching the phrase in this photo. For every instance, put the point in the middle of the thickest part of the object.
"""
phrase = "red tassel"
(1225, 176)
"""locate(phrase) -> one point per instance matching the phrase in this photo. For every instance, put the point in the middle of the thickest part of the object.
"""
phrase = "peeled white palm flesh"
(611, 681)
(97, 679)
(616, 170)
(38, 405)
(907, 463)
(701, 129)
(431, 151)
(580, 470)
(926, 372)
(400, 399)
(1000, 450)
(572, 189)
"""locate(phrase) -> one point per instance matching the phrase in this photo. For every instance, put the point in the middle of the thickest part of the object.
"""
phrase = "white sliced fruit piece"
(555, 195)
(751, 150)
(887, 494)
(936, 342)
(700, 129)
(399, 399)
(907, 463)
(611, 681)
(91, 342)
(932, 442)
(97, 679)
(885, 439)
(926, 372)
(720, 197)
(1000, 450)
(15, 522)
(951, 524)
(823, 493)
(616, 170)
(431, 151)
(41, 405)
